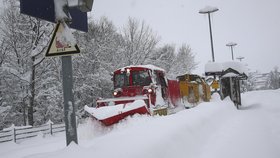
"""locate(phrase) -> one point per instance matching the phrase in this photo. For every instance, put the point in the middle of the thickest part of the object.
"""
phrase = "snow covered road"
(254, 131)
(210, 130)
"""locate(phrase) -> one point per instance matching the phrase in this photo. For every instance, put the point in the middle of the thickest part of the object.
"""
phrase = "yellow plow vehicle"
(193, 90)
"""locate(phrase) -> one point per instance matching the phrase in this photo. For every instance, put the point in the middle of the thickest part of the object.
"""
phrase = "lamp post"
(240, 58)
(231, 44)
(208, 10)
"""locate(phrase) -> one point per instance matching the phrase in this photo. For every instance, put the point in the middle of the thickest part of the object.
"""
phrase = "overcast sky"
(253, 24)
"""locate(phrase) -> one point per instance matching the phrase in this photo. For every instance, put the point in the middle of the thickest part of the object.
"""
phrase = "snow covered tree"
(184, 62)
(26, 38)
(250, 82)
(99, 58)
(30, 84)
(49, 102)
(139, 41)
(162, 57)
(16, 74)
(3, 48)
(274, 79)
(4, 107)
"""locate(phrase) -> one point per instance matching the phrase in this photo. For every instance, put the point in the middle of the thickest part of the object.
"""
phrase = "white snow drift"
(211, 130)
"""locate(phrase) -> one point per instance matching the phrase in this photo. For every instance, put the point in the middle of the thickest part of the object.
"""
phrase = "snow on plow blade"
(109, 115)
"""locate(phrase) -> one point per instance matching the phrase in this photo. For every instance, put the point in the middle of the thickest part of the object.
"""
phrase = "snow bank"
(215, 97)
(152, 137)
(214, 129)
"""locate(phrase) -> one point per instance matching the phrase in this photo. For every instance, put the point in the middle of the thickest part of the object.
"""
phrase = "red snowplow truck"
(142, 89)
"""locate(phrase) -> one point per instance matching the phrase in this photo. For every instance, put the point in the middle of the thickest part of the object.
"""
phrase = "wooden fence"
(15, 134)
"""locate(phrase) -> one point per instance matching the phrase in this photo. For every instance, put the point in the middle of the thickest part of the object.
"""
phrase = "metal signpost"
(76, 9)
(69, 107)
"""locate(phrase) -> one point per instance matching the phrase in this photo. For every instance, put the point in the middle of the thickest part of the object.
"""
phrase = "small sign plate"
(56, 48)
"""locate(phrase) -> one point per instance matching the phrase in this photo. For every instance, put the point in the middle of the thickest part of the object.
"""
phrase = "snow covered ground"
(210, 130)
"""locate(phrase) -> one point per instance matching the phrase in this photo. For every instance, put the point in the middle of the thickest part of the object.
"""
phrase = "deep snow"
(211, 130)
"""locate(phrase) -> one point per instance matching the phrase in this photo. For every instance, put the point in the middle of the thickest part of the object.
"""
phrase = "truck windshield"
(121, 80)
(141, 78)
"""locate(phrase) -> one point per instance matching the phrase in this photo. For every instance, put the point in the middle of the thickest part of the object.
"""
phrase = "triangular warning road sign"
(56, 48)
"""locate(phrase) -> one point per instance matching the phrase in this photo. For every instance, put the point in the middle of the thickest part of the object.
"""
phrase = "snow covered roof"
(152, 67)
(213, 67)
(238, 66)
(219, 67)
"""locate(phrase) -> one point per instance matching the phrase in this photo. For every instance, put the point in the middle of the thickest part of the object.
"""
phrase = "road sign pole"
(69, 107)
(45, 9)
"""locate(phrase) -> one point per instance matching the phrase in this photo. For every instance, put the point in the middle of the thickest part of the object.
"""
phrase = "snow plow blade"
(110, 115)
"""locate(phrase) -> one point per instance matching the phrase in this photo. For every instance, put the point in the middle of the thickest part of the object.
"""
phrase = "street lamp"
(240, 58)
(231, 44)
(208, 10)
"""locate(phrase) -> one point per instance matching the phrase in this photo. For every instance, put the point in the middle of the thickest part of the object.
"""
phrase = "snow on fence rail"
(14, 133)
